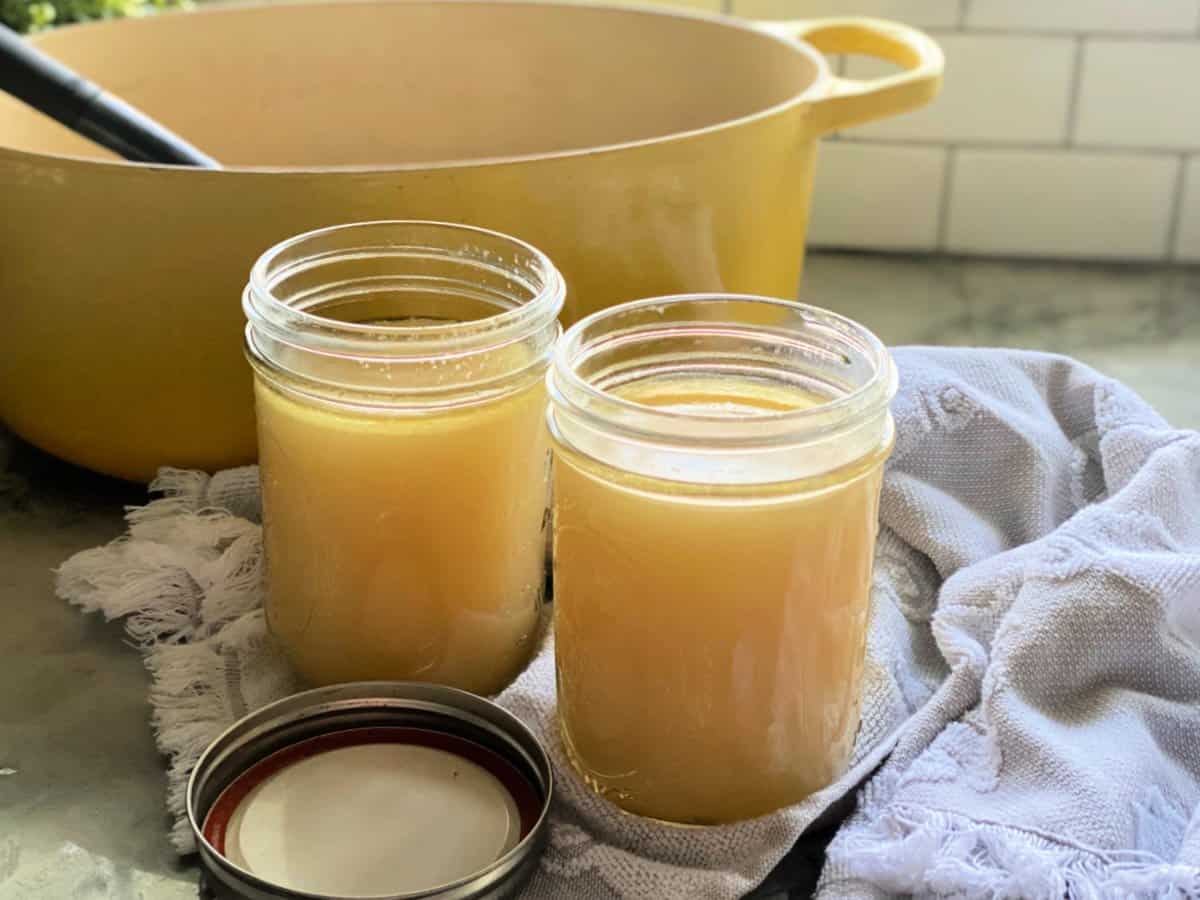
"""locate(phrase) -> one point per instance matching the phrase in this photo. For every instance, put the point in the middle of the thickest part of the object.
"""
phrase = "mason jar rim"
(285, 321)
(606, 412)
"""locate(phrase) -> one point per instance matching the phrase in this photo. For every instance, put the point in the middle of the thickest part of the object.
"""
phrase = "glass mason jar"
(717, 473)
(399, 386)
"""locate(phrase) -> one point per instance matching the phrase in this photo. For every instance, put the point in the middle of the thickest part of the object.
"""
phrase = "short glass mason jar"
(717, 471)
(399, 385)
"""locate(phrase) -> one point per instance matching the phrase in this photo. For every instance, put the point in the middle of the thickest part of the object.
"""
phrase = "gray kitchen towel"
(1033, 660)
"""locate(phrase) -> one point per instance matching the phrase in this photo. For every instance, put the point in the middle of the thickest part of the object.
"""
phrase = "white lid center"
(373, 819)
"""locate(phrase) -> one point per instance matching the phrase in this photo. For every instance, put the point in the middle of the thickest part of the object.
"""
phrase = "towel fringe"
(182, 578)
(916, 851)
(188, 714)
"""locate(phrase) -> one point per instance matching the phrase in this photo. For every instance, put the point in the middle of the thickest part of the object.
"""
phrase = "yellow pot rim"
(820, 86)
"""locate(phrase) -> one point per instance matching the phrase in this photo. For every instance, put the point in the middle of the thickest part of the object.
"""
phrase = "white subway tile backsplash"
(1060, 131)
(1140, 94)
(1061, 203)
(875, 195)
(1124, 16)
(922, 13)
(1187, 241)
(997, 88)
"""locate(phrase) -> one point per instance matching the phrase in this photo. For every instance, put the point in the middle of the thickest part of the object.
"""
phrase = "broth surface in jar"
(404, 464)
(710, 612)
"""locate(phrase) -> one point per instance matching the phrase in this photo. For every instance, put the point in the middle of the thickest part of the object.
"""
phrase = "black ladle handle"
(52, 88)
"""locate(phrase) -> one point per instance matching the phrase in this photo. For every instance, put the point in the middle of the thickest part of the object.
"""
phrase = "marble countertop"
(1139, 324)
(81, 784)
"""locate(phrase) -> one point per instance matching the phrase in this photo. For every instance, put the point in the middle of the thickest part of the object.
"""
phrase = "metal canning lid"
(371, 791)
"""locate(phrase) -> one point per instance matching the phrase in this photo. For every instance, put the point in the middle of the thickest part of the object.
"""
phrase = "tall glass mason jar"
(717, 473)
(399, 386)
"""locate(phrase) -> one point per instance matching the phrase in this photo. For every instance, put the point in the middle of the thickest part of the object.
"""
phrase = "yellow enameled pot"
(648, 152)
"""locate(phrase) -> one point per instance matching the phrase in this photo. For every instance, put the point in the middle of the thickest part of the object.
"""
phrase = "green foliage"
(36, 15)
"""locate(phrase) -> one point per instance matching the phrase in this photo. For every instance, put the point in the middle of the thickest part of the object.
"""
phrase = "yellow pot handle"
(853, 102)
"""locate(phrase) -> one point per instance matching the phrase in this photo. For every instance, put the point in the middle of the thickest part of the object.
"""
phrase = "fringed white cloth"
(1032, 674)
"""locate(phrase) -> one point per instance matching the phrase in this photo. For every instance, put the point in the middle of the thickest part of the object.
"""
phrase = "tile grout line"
(943, 224)
(1175, 223)
(1026, 147)
(1170, 37)
(964, 7)
(1072, 123)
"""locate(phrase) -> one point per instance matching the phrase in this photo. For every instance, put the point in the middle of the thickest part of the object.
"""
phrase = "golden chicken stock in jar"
(716, 485)
(400, 396)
